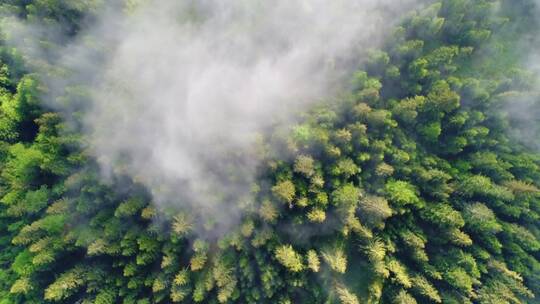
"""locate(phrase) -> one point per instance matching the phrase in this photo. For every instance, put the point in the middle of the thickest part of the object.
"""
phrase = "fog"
(178, 91)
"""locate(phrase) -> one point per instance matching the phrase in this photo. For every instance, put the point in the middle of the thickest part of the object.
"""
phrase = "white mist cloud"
(180, 88)
(523, 109)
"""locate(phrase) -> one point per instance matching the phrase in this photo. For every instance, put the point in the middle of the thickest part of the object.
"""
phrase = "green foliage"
(181, 224)
(336, 259)
(401, 193)
(411, 188)
(67, 284)
(289, 258)
(313, 260)
(374, 211)
(284, 191)
(404, 297)
(345, 296)
(304, 165)
(347, 195)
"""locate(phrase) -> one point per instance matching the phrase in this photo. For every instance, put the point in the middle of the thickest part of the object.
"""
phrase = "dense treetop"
(414, 187)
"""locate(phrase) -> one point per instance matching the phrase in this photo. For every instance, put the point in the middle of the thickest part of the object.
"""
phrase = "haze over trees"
(418, 184)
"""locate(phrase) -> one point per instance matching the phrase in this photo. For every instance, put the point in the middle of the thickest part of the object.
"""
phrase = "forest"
(418, 181)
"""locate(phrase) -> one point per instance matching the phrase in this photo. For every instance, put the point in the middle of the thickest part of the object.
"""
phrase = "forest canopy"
(414, 179)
